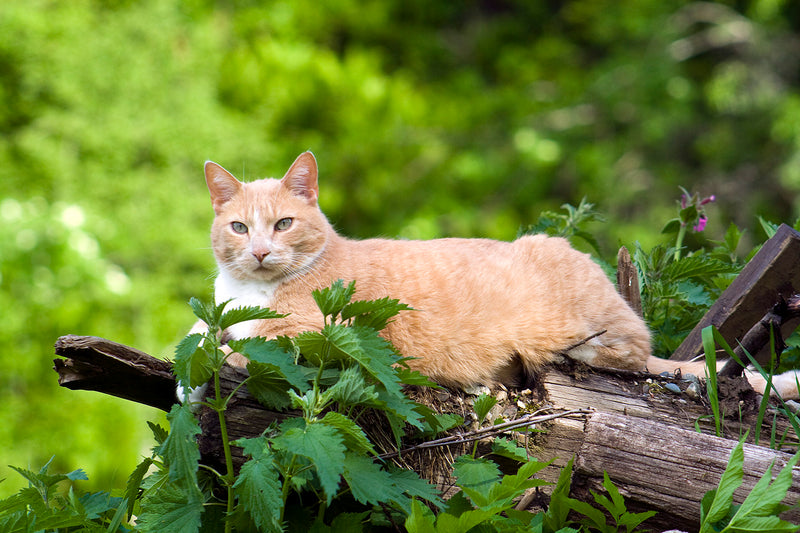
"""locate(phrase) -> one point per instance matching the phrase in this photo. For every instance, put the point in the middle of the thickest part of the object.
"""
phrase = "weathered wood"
(772, 274)
(628, 280)
(769, 327)
(666, 469)
(638, 419)
(646, 396)
(97, 364)
(244, 418)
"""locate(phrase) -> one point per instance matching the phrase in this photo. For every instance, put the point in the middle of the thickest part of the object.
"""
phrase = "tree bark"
(666, 469)
(96, 364)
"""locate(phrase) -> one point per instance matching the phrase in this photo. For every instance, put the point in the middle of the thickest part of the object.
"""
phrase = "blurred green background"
(427, 118)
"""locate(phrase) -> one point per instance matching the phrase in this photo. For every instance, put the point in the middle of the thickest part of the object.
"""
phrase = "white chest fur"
(243, 293)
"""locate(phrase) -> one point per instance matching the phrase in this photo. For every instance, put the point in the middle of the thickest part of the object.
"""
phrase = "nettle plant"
(331, 378)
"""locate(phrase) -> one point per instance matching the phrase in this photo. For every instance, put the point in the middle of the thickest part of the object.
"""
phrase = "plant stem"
(287, 478)
(228, 478)
(679, 241)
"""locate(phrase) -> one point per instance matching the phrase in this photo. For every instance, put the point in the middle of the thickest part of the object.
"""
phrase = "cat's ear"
(221, 184)
(301, 178)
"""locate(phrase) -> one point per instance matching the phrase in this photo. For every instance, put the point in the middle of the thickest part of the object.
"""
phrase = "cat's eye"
(238, 227)
(283, 224)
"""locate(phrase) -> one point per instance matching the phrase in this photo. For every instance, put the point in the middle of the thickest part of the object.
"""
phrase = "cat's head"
(268, 229)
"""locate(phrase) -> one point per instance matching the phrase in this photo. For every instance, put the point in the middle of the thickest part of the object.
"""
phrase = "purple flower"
(708, 200)
(701, 223)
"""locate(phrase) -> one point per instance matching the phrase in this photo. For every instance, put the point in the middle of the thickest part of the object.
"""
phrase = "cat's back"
(464, 271)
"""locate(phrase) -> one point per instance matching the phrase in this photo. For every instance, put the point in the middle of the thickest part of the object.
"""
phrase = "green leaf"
(396, 403)
(437, 423)
(207, 311)
(618, 502)
(409, 483)
(180, 449)
(696, 265)
(721, 502)
(369, 484)
(513, 485)
(476, 477)
(95, 504)
(253, 447)
(316, 348)
(243, 314)
(447, 523)
(171, 510)
(558, 511)
(134, 483)
(732, 237)
(589, 238)
(765, 524)
(694, 293)
(192, 364)
(595, 516)
(770, 228)
(509, 449)
(374, 353)
(159, 433)
(421, 519)
(413, 377)
(672, 226)
(764, 499)
(373, 314)
(267, 384)
(352, 389)
(333, 299)
(354, 438)
(273, 353)
(482, 405)
(258, 488)
(322, 444)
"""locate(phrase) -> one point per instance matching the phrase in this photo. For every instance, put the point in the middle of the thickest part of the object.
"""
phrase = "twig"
(582, 342)
(527, 420)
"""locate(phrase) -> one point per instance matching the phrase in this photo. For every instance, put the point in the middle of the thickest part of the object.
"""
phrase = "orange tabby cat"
(486, 312)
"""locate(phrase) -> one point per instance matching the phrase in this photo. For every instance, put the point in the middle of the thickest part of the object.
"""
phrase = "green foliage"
(42, 507)
(569, 225)
(331, 377)
(678, 284)
(615, 506)
(759, 511)
(712, 339)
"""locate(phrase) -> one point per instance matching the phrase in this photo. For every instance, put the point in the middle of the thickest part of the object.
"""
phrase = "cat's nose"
(260, 254)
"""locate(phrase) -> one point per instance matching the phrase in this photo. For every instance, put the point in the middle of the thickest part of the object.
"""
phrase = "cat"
(486, 312)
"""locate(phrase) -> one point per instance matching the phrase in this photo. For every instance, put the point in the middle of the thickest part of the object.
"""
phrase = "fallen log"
(651, 441)
(667, 469)
(653, 410)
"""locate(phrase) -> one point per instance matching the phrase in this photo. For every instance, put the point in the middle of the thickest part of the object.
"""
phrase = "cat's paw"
(191, 395)
(477, 390)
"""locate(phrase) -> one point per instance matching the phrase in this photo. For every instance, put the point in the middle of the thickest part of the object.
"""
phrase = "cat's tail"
(787, 384)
